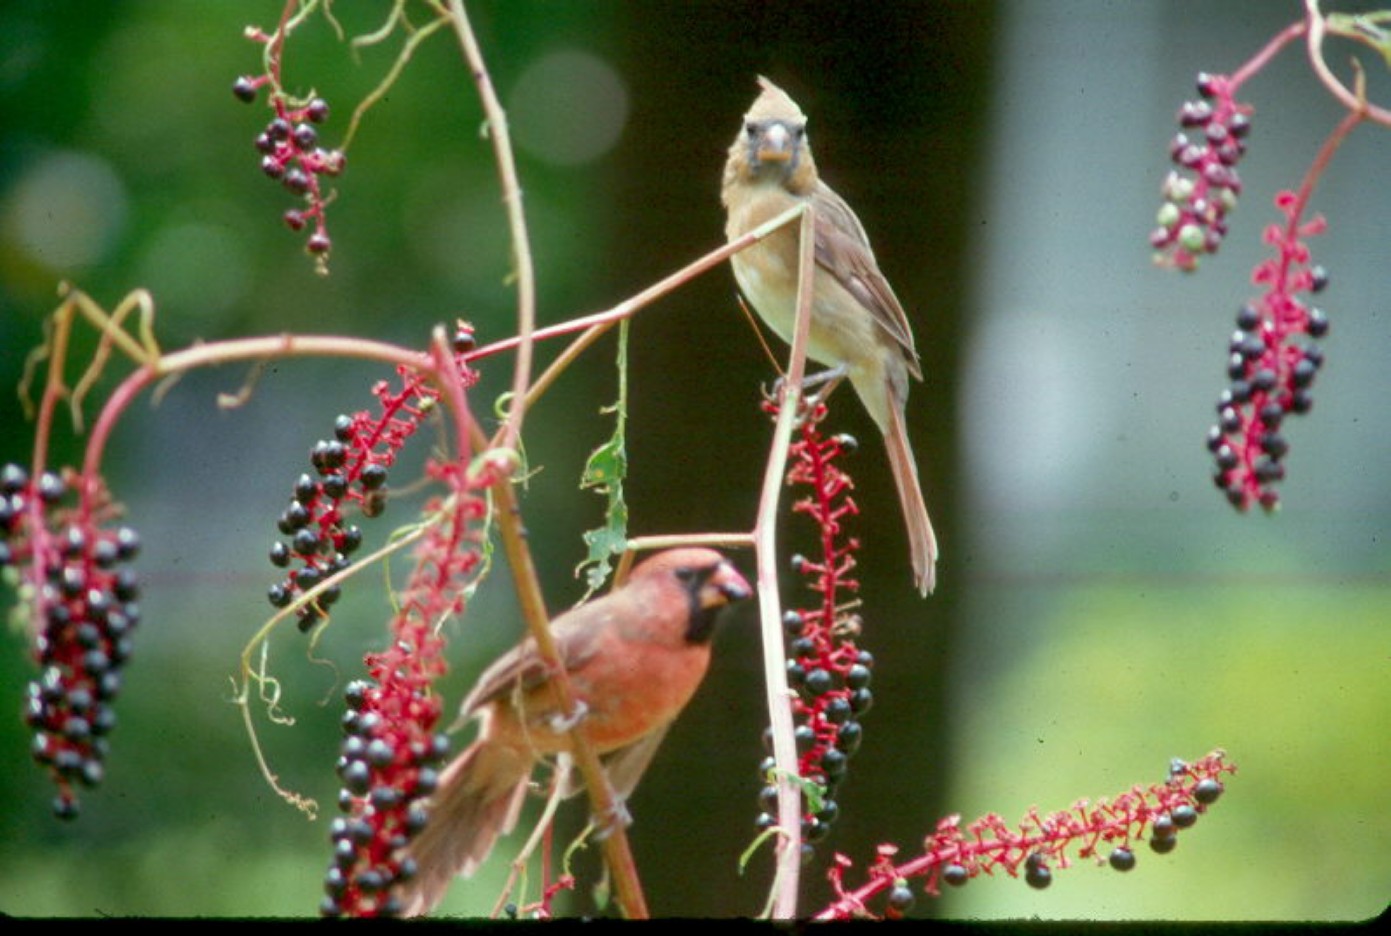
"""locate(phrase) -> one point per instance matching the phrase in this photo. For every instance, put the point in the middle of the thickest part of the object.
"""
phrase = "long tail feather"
(922, 542)
(479, 798)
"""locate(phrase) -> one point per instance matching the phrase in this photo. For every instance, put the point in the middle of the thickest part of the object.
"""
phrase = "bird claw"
(616, 818)
(831, 377)
(563, 723)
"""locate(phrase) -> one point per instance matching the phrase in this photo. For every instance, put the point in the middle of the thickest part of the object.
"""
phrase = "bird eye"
(686, 574)
(799, 132)
(751, 129)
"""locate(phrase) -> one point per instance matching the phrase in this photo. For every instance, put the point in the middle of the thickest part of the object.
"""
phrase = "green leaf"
(1366, 28)
(604, 473)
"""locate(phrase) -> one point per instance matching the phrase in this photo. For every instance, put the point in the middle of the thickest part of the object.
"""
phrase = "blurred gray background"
(1100, 608)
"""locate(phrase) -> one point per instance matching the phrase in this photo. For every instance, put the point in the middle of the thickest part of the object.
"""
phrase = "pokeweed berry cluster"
(1273, 358)
(1203, 188)
(391, 753)
(320, 541)
(71, 571)
(828, 671)
(291, 155)
(387, 771)
(350, 472)
(1105, 831)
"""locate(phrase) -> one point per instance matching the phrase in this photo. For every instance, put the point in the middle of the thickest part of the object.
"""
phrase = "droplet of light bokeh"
(568, 108)
(65, 211)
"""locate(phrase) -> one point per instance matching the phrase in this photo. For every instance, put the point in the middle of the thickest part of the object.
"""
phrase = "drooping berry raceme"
(826, 668)
(392, 752)
(350, 471)
(1104, 831)
(291, 154)
(68, 564)
(1273, 358)
(1203, 188)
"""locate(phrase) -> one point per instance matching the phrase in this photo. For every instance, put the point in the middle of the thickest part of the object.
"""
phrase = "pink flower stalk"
(1200, 193)
(1273, 359)
(955, 854)
(829, 672)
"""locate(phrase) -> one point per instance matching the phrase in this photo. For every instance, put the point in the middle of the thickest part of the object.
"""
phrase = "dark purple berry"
(1318, 323)
(901, 898)
(296, 181)
(1036, 872)
(305, 137)
(373, 476)
(1194, 113)
(1207, 791)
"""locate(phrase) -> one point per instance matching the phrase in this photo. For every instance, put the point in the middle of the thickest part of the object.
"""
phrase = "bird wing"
(522, 668)
(842, 249)
(626, 766)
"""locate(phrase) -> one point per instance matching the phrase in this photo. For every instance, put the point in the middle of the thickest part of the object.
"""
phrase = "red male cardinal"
(857, 323)
(634, 658)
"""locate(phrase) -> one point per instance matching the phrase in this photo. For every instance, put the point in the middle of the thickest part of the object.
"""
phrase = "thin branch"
(789, 854)
(1353, 101)
(516, 219)
(603, 803)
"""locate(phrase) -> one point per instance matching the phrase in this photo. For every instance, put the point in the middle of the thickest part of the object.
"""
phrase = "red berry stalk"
(289, 145)
(1204, 187)
(391, 752)
(826, 668)
(68, 564)
(351, 471)
(1273, 358)
(1105, 831)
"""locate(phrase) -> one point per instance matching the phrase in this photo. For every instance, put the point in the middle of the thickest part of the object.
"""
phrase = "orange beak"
(725, 585)
(775, 145)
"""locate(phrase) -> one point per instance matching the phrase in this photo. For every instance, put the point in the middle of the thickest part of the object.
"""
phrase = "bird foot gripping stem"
(561, 724)
(829, 378)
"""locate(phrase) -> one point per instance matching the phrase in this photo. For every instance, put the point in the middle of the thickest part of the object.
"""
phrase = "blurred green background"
(1100, 609)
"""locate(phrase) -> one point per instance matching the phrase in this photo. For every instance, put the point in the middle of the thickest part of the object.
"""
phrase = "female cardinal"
(634, 659)
(857, 324)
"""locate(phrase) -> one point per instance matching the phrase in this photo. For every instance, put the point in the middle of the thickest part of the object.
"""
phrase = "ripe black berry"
(305, 137)
(373, 476)
(901, 898)
(296, 181)
(1318, 323)
(1207, 791)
